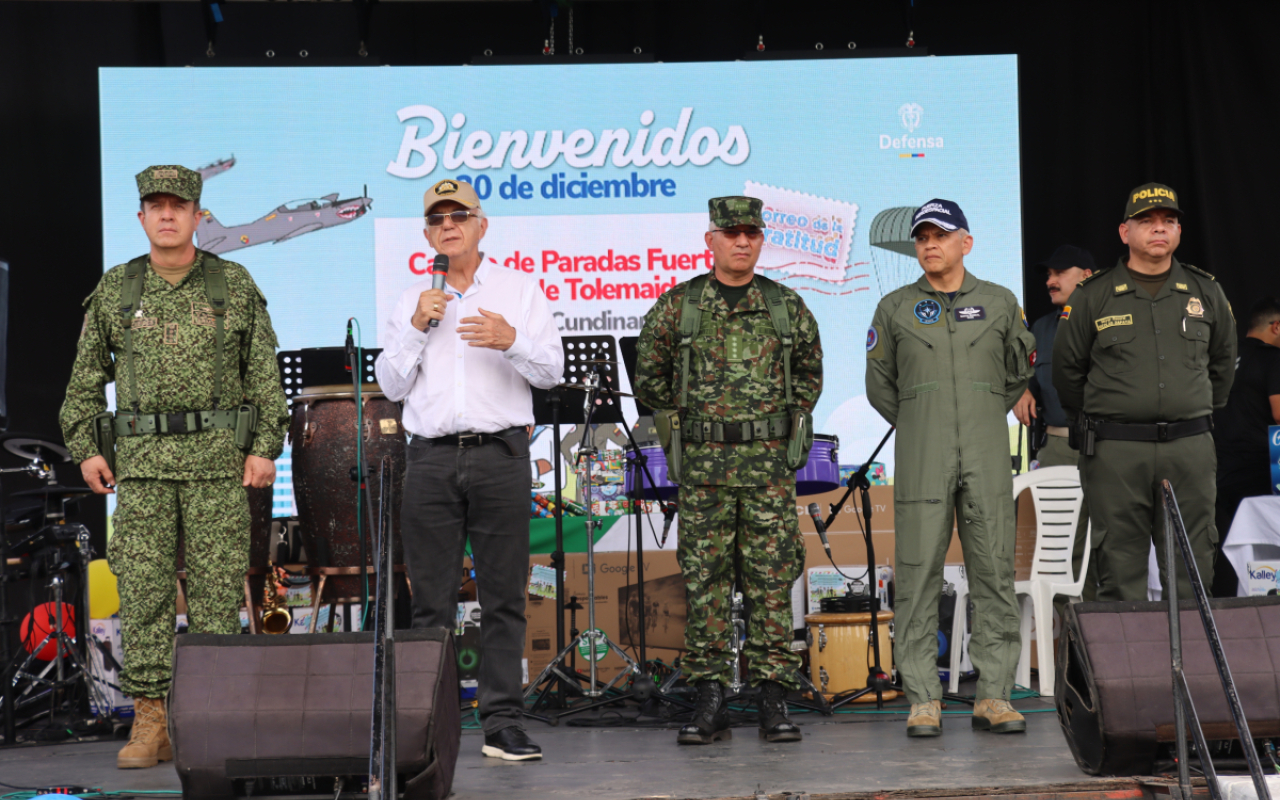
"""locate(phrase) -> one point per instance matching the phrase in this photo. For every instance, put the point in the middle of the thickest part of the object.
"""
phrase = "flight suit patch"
(970, 313)
(928, 311)
(1194, 308)
(1112, 321)
(171, 333)
(202, 314)
(874, 349)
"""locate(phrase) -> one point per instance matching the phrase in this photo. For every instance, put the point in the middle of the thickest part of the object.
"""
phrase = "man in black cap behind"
(1144, 354)
(1039, 407)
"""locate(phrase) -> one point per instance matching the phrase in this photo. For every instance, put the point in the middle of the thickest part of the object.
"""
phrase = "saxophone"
(275, 613)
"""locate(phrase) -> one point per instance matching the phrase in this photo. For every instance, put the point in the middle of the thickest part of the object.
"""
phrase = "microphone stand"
(878, 680)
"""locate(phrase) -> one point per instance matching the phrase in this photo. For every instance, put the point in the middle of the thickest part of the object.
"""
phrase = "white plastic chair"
(1057, 496)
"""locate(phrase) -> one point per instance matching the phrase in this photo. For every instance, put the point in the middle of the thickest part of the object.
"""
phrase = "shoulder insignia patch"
(875, 347)
(1066, 313)
(1199, 271)
(1093, 276)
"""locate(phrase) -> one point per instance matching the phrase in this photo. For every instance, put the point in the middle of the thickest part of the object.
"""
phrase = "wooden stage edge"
(1146, 788)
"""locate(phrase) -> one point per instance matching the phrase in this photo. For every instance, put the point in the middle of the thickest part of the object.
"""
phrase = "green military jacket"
(946, 372)
(735, 375)
(174, 345)
(1123, 356)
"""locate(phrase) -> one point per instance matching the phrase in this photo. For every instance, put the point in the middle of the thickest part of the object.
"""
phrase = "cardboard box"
(1263, 577)
(106, 655)
(614, 572)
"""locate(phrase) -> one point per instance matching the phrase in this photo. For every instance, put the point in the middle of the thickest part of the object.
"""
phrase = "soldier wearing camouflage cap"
(187, 340)
(737, 499)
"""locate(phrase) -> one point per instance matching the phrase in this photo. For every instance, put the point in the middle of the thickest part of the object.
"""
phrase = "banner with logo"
(595, 177)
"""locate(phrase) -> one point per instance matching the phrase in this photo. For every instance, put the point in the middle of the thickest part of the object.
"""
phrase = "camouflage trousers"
(213, 516)
(757, 528)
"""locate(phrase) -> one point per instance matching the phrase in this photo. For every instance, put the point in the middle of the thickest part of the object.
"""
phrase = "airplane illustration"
(286, 222)
(217, 168)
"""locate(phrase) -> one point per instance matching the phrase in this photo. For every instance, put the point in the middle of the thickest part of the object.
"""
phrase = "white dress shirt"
(450, 387)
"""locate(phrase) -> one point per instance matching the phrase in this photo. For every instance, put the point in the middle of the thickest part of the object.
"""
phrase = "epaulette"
(1198, 271)
(1095, 274)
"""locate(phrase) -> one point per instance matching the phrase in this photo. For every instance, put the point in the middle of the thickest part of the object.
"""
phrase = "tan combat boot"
(149, 743)
(997, 716)
(925, 719)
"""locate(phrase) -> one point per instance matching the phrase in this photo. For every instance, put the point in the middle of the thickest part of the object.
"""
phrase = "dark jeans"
(481, 493)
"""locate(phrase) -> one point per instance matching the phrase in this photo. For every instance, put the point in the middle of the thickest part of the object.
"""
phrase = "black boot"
(775, 726)
(710, 719)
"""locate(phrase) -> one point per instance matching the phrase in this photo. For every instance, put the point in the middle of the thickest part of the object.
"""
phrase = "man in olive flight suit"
(947, 357)
(737, 496)
(1146, 351)
(178, 463)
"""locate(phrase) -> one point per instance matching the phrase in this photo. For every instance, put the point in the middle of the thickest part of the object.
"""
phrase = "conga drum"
(840, 656)
(323, 437)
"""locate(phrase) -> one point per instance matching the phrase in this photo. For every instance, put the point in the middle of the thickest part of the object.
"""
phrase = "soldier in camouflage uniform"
(169, 478)
(737, 498)
(947, 357)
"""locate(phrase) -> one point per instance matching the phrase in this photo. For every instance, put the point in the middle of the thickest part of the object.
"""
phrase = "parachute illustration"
(893, 251)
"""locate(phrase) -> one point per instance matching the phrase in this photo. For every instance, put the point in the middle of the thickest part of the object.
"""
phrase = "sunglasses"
(458, 217)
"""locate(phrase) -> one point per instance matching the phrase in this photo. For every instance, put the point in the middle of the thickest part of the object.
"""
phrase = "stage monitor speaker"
(292, 714)
(1115, 695)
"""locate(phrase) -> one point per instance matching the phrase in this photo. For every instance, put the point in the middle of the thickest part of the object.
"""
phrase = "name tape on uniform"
(1112, 321)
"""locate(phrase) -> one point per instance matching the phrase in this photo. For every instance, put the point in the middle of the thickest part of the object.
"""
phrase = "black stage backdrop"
(1112, 95)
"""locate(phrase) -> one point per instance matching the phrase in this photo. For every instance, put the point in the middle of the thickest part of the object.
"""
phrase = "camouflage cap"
(1150, 196)
(726, 212)
(170, 179)
(458, 191)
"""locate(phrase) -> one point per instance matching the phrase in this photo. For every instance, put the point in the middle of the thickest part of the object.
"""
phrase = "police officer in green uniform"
(1145, 352)
(201, 416)
(744, 382)
(947, 357)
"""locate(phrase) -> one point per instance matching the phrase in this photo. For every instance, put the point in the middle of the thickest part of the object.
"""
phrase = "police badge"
(1194, 308)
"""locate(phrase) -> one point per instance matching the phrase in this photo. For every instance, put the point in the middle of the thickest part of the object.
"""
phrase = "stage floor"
(858, 752)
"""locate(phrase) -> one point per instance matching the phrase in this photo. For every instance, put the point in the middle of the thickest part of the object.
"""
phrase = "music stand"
(550, 408)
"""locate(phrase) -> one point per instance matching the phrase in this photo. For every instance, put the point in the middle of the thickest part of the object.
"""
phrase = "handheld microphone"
(668, 514)
(821, 527)
(439, 271)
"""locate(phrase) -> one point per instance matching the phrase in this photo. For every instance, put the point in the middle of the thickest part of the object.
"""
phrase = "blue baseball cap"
(943, 213)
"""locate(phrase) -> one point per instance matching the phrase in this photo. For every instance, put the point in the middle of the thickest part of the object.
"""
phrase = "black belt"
(697, 430)
(128, 423)
(1152, 431)
(465, 440)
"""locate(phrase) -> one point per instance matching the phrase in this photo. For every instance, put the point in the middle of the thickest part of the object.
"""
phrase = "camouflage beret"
(170, 179)
(726, 212)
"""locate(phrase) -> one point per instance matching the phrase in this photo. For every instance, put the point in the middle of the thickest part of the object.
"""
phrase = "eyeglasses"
(458, 217)
(750, 233)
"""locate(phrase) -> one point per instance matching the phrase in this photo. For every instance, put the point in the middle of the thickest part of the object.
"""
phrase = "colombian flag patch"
(1066, 313)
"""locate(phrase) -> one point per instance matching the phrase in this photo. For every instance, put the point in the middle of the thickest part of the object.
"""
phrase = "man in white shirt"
(468, 410)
